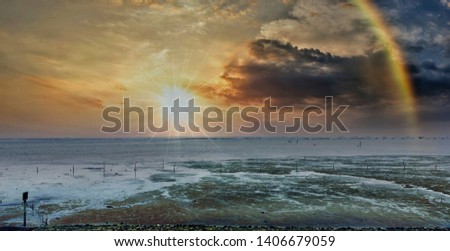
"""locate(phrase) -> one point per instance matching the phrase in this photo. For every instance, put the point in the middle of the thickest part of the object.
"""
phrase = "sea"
(275, 181)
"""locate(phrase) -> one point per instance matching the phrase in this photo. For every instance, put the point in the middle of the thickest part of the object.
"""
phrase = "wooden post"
(73, 170)
(25, 198)
(135, 170)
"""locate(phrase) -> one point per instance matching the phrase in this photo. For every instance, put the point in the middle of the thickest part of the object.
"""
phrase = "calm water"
(275, 181)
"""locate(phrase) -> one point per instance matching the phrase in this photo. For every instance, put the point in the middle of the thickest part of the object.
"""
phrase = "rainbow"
(395, 59)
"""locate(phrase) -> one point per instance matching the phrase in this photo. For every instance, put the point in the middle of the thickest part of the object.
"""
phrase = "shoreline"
(168, 227)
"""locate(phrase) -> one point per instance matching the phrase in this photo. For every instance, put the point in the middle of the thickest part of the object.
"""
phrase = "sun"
(170, 93)
(166, 99)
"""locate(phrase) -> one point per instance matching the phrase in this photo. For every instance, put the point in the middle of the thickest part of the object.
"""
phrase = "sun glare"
(167, 97)
(170, 93)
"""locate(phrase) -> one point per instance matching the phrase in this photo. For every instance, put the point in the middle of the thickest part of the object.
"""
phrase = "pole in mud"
(25, 198)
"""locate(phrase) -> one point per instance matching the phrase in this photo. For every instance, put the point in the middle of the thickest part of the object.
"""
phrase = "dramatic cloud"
(335, 26)
(303, 76)
(414, 48)
(431, 80)
(428, 32)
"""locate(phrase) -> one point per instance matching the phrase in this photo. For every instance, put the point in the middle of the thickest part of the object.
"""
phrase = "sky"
(63, 62)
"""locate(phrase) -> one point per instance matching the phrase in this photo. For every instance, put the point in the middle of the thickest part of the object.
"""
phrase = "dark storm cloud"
(432, 89)
(300, 76)
(446, 69)
(414, 48)
(429, 65)
(425, 40)
(427, 86)
(447, 50)
(413, 69)
(430, 79)
(421, 27)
